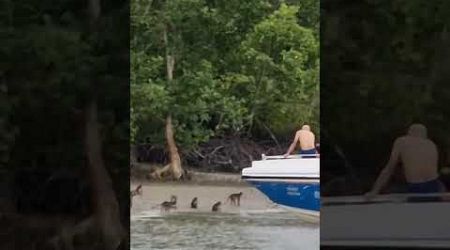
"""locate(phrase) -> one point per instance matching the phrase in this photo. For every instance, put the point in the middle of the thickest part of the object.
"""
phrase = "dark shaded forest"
(64, 145)
(384, 66)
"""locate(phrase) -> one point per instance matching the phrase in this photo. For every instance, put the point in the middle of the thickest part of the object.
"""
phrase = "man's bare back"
(306, 141)
(419, 158)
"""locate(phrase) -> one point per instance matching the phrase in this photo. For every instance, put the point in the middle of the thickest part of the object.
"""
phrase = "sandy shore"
(155, 193)
(140, 171)
(256, 224)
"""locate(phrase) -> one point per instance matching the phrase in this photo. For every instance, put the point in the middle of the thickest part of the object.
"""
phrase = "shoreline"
(139, 172)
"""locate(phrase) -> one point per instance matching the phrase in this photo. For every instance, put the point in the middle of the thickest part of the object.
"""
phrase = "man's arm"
(293, 144)
(386, 173)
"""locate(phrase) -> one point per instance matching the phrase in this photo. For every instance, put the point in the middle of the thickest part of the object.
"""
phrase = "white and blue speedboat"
(292, 182)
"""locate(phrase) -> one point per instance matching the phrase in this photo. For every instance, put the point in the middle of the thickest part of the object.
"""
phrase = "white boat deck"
(280, 167)
(388, 221)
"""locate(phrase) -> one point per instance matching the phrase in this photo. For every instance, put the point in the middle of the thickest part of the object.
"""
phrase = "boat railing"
(387, 198)
(299, 156)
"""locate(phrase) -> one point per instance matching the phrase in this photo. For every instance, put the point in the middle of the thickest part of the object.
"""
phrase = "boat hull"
(299, 195)
(293, 183)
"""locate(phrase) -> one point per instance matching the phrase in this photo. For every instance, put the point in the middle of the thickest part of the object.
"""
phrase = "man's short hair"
(418, 129)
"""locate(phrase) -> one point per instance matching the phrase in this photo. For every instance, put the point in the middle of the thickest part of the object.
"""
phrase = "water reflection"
(244, 230)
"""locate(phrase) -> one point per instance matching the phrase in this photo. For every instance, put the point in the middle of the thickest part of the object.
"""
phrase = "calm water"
(205, 230)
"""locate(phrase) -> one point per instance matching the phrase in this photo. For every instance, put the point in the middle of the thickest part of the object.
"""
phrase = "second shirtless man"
(419, 157)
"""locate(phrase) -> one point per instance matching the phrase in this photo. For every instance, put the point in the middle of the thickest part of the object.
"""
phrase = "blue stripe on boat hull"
(293, 194)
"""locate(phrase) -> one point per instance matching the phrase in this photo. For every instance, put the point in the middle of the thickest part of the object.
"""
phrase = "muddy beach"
(256, 224)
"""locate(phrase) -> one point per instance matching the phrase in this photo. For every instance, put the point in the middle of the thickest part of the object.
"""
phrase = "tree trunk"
(170, 58)
(133, 155)
(106, 207)
(175, 161)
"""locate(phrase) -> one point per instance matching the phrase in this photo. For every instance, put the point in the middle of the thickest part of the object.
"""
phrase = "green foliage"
(280, 59)
(240, 67)
(51, 61)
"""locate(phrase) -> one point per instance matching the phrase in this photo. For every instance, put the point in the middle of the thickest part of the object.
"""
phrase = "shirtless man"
(419, 157)
(306, 141)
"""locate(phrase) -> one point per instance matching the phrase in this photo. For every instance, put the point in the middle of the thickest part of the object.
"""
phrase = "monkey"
(216, 206)
(235, 199)
(173, 199)
(186, 176)
(194, 203)
(137, 191)
(167, 205)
